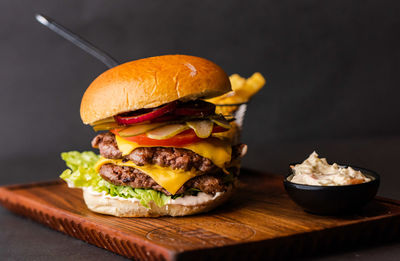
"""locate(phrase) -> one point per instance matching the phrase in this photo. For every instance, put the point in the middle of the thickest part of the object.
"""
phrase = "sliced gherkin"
(139, 129)
(167, 131)
(203, 129)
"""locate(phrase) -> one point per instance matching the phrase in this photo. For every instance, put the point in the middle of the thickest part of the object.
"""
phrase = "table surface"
(27, 240)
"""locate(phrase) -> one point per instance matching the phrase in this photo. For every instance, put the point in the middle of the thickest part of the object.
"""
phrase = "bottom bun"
(100, 203)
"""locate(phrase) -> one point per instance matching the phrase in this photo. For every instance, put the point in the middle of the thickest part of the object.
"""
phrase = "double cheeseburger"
(163, 150)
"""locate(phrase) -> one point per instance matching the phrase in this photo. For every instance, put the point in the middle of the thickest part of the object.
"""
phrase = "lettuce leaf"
(81, 174)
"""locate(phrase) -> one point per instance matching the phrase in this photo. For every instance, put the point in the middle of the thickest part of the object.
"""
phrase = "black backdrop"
(332, 66)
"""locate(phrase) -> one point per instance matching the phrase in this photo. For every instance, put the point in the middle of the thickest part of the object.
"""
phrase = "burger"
(163, 149)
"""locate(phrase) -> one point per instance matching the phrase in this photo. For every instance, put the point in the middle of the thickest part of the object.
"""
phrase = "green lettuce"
(81, 174)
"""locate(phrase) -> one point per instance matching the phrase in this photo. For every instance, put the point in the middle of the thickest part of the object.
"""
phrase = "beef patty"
(129, 176)
(176, 158)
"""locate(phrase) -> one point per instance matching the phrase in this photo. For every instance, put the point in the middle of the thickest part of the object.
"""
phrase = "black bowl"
(333, 200)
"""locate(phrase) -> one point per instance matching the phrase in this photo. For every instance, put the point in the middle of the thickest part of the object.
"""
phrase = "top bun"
(151, 82)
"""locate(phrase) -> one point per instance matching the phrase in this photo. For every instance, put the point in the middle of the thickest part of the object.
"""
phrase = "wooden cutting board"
(260, 221)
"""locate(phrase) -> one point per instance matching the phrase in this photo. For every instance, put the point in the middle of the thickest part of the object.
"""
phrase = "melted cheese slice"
(171, 180)
(217, 150)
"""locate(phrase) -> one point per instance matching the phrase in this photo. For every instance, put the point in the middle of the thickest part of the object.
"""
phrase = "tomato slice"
(182, 139)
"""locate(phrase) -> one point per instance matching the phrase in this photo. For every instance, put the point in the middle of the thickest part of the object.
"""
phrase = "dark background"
(332, 70)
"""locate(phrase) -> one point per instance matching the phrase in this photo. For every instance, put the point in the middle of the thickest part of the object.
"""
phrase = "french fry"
(237, 82)
(242, 91)
(251, 86)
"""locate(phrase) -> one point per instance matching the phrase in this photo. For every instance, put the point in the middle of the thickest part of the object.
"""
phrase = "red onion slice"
(146, 115)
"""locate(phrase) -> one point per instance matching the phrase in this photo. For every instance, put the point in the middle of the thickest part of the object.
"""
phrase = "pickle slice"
(105, 126)
(203, 129)
(167, 131)
(139, 129)
(221, 121)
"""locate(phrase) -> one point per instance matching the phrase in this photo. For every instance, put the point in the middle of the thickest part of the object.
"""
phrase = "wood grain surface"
(260, 221)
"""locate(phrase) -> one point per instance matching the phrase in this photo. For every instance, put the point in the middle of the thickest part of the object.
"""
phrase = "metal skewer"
(77, 40)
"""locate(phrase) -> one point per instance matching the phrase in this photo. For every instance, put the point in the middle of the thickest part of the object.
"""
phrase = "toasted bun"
(126, 208)
(151, 82)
